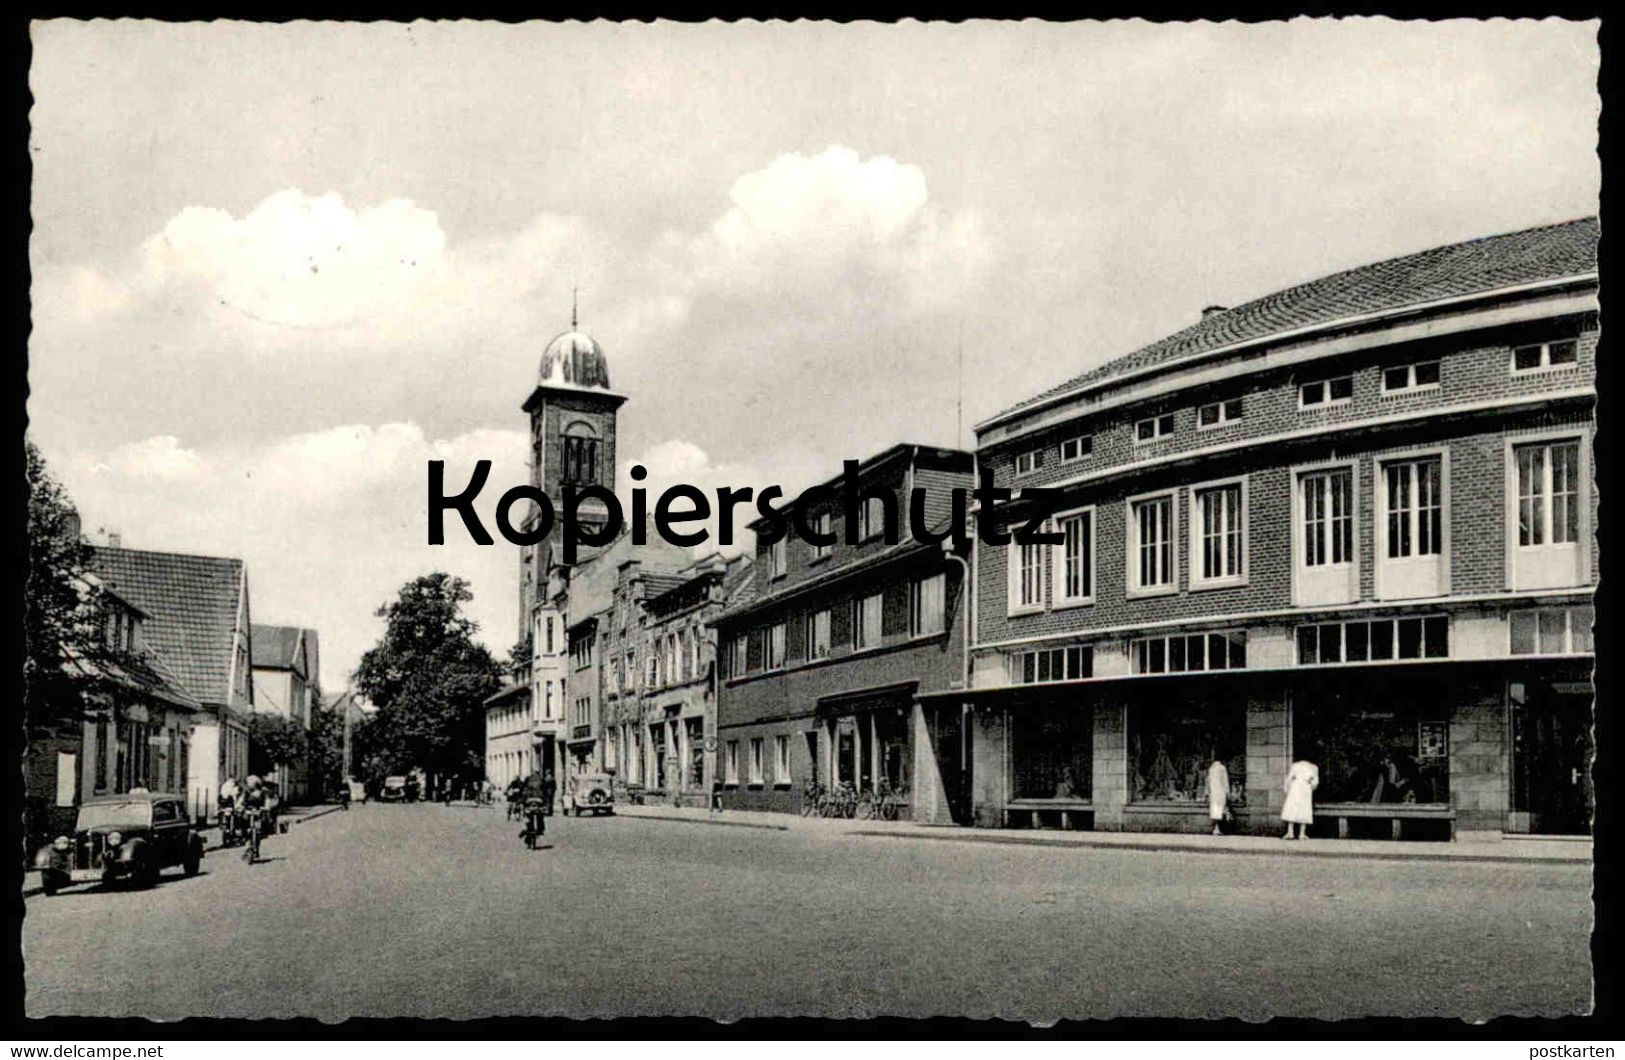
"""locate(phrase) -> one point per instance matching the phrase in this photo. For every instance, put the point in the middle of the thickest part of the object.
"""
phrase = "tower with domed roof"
(572, 414)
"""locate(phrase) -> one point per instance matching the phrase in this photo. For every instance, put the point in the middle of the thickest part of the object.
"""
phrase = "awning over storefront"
(898, 694)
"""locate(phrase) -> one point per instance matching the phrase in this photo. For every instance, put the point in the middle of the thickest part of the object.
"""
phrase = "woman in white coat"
(1218, 792)
(1299, 809)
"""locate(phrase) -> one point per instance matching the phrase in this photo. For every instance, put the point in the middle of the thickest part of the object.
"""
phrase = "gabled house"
(196, 617)
(287, 684)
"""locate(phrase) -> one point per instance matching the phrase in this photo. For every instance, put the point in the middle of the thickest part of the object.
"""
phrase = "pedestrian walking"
(1298, 811)
(1218, 793)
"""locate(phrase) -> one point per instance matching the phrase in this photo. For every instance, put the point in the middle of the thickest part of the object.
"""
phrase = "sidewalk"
(1490, 850)
(211, 839)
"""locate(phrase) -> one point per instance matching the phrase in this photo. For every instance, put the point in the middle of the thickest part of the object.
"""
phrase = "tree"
(62, 608)
(429, 681)
(327, 748)
(274, 741)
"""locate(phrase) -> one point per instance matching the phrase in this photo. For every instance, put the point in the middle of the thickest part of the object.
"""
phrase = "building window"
(1218, 414)
(1328, 518)
(549, 637)
(1560, 354)
(866, 618)
(698, 664)
(1552, 631)
(778, 557)
(824, 524)
(738, 656)
(1219, 515)
(730, 763)
(1404, 378)
(756, 760)
(581, 463)
(581, 651)
(1072, 563)
(1548, 493)
(1415, 508)
(1026, 579)
(775, 646)
(1171, 746)
(1149, 430)
(1324, 393)
(871, 518)
(817, 627)
(1072, 663)
(781, 759)
(926, 606)
(1182, 653)
(1151, 559)
(1073, 449)
(547, 699)
(1374, 640)
(1030, 461)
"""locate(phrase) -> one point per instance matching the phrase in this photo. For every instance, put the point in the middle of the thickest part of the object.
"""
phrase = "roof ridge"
(163, 552)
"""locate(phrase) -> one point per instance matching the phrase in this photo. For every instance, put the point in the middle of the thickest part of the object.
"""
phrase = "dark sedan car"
(132, 836)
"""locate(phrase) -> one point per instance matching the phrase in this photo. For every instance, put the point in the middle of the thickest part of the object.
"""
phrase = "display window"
(1174, 737)
(1052, 749)
(1385, 743)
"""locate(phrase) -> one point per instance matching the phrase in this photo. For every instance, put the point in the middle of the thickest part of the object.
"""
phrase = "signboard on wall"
(1432, 739)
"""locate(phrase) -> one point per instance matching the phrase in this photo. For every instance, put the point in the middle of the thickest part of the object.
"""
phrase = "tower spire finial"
(573, 292)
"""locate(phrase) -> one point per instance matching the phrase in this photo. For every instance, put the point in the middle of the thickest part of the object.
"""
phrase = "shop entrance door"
(846, 752)
(1552, 751)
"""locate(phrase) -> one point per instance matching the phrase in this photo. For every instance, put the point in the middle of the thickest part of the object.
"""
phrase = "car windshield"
(394, 782)
(116, 814)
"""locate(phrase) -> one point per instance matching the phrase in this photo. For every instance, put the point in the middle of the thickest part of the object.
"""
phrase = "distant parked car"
(358, 790)
(394, 790)
(590, 793)
(133, 836)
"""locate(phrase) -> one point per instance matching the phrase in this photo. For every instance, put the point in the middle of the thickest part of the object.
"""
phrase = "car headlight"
(114, 838)
(62, 842)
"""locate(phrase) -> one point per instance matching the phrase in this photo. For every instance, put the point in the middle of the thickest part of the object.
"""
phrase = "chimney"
(71, 525)
(114, 539)
(1209, 310)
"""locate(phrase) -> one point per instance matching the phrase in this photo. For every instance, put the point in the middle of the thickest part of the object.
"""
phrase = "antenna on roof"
(959, 396)
(573, 293)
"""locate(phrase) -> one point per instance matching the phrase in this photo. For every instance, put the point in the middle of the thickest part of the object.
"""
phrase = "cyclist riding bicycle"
(253, 808)
(533, 793)
(515, 787)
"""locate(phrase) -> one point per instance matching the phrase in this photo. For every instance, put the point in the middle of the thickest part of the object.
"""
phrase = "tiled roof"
(1477, 266)
(191, 604)
(659, 581)
(274, 646)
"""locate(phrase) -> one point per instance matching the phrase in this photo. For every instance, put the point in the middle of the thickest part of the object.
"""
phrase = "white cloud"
(160, 457)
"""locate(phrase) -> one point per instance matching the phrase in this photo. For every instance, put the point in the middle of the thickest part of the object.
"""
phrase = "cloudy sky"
(278, 268)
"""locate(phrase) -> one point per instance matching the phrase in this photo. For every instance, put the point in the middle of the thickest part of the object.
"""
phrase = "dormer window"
(778, 557)
(1149, 430)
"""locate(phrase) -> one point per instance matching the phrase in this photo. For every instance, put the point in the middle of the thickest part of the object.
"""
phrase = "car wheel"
(147, 874)
(194, 860)
(50, 883)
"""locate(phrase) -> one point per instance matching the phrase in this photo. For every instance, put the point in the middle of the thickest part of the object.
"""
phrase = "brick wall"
(1479, 785)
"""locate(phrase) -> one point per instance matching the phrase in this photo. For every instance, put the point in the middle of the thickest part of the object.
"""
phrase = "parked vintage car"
(591, 793)
(133, 836)
(394, 790)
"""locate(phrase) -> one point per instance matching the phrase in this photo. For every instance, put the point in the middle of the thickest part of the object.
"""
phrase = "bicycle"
(535, 826)
(812, 796)
(251, 852)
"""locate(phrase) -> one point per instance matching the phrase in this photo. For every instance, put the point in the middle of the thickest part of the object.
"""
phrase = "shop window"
(1374, 640)
(1072, 663)
(1052, 753)
(1376, 744)
(1189, 653)
(1172, 742)
(694, 740)
(1552, 631)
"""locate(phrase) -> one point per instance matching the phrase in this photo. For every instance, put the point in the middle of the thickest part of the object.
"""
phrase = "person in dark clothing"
(534, 797)
(549, 790)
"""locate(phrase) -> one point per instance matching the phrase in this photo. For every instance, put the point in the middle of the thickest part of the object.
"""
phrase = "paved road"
(440, 911)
